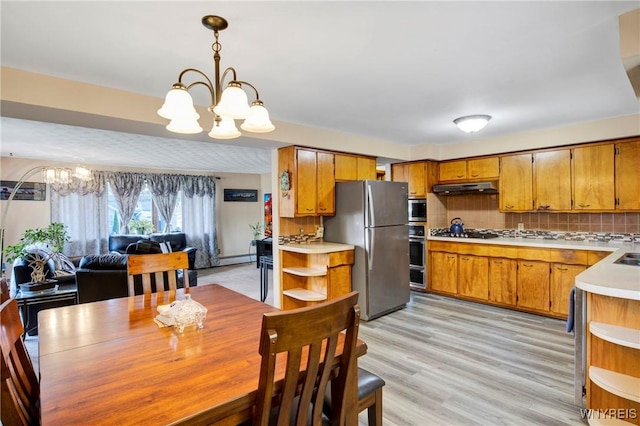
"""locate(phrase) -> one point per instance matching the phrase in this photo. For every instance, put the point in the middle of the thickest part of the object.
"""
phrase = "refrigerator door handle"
(371, 211)
(371, 247)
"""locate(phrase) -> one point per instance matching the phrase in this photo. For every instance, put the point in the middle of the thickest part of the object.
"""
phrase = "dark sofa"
(104, 276)
(119, 243)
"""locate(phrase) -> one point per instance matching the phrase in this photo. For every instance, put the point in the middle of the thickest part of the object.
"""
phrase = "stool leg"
(261, 282)
(266, 282)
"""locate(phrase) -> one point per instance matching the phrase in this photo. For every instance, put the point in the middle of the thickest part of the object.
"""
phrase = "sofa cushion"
(104, 262)
(118, 243)
(144, 247)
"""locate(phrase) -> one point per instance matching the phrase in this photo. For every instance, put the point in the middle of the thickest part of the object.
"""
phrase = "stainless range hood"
(490, 187)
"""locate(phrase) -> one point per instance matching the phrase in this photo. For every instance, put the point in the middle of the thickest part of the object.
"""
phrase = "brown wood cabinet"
(552, 180)
(563, 278)
(533, 285)
(312, 181)
(444, 272)
(354, 167)
(516, 183)
(627, 164)
(452, 171)
(531, 279)
(593, 177)
(502, 281)
(419, 175)
(473, 276)
(483, 168)
(474, 169)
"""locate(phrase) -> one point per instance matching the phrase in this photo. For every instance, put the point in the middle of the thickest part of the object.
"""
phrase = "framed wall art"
(34, 191)
(240, 195)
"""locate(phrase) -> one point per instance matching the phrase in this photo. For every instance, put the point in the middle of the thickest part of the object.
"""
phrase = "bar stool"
(266, 263)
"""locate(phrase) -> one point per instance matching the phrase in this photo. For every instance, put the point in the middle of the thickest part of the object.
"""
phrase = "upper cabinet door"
(307, 182)
(593, 178)
(552, 180)
(453, 170)
(326, 184)
(417, 180)
(346, 167)
(483, 168)
(516, 183)
(628, 175)
(366, 168)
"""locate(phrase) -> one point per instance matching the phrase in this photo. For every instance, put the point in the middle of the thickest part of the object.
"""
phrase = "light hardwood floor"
(452, 362)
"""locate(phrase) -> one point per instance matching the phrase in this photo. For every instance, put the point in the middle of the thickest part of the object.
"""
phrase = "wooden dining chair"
(20, 387)
(162, 267)
(4, 290)
(369, 397)
(309, 338)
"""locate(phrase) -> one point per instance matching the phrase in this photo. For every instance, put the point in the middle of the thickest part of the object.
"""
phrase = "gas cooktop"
(467, 234)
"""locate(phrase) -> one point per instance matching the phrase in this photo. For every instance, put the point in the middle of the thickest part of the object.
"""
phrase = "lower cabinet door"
(502, 281)
(563, 278)
(473, 276)
(533, 285)
(444, 272)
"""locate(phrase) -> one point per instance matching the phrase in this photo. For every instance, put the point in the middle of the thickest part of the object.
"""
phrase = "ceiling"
(394, 71)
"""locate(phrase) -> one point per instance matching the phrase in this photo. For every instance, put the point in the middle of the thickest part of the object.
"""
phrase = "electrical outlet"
(521, 227)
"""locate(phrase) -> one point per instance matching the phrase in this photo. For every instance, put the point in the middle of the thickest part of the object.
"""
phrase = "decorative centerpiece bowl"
(183, 313)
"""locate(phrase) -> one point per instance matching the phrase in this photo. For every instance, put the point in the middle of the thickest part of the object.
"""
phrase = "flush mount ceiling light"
(472, 123)
(226, 106)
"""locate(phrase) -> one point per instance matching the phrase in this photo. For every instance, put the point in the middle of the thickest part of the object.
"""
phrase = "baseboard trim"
(234, 260)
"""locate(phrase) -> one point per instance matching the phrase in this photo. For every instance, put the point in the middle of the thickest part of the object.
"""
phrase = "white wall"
(233, 218)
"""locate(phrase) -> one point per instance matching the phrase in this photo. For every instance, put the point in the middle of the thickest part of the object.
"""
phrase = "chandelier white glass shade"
(472, 123)
(226, 106)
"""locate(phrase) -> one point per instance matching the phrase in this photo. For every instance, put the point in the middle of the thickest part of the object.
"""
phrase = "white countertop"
(605, 277)
(316, 247)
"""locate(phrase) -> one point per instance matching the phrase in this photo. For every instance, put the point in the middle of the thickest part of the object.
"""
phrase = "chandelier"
(226, 106)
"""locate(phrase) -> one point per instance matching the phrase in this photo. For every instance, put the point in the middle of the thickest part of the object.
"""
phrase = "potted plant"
(141, 226)
(256, 229)
(39, 245)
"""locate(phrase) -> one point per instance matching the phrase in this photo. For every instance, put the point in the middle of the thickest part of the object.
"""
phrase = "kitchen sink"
(629, 259)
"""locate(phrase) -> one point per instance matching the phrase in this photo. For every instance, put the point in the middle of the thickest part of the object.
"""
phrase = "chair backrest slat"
(162, 267)
(309, 337)
(19, 380)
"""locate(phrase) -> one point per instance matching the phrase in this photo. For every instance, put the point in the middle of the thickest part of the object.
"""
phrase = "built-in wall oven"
(417, 210)
(417, 256)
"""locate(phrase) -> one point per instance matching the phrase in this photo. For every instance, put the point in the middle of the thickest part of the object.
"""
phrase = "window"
(145, 211)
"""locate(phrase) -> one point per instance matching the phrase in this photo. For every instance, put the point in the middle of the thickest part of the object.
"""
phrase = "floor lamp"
(50, 175)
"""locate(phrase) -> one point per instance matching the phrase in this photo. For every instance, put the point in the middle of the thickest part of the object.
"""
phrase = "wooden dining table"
(110, 363)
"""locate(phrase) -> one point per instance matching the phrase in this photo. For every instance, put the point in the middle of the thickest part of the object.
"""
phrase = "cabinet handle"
(497, 262)
(584, 205)
(475, 175)
(323, 208)
(464, 258)
(561, 269)
(508, 206)
(543, 207)
(309, 210)
(459, 176)
(527, 265)
(451, 257)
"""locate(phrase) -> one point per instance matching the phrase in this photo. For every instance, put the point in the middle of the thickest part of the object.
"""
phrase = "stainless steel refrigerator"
(372, 215)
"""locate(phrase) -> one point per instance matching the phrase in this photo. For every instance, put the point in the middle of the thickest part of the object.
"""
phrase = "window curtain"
(126, 188)
(165, 190)
(83, 208)
(199, 218)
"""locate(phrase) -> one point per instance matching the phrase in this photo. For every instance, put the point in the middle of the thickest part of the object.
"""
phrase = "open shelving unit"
(314, 277)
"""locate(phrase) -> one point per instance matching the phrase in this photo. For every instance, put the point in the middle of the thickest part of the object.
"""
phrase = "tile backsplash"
(482, 211)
